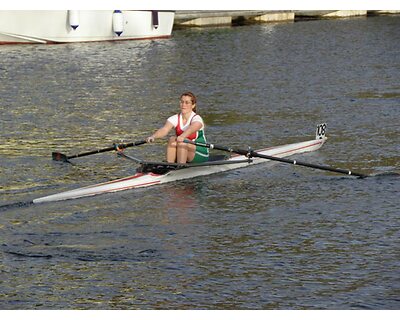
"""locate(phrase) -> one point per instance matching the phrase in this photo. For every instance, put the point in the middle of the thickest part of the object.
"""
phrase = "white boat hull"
(64, 26)
(149, 179)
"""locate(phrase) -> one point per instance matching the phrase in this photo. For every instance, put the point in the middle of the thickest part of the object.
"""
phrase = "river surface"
(272, 236)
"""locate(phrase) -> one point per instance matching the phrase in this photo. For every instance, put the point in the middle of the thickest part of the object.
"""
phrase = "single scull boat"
(174, 172)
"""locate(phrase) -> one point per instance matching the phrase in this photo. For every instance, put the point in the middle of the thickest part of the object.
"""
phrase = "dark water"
(267, 237)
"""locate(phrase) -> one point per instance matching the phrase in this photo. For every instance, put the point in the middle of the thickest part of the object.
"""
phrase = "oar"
(250, 153)
(58, 156)
(175, 165)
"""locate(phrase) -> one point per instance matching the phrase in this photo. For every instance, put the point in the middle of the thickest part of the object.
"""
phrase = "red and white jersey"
(177, 121)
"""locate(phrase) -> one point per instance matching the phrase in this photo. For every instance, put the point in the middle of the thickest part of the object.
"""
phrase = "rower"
(188, 125)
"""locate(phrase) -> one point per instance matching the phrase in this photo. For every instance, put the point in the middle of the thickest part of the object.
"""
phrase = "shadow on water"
(385, 175)
(20, 204)
(69, 254)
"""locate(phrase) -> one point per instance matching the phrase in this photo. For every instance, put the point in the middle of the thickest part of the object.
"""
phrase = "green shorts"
(201, 155)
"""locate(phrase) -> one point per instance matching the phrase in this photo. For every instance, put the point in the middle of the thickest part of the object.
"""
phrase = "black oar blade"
(58, 156)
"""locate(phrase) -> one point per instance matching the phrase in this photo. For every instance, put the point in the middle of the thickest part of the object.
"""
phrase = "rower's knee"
(172, 142)
(182, 145)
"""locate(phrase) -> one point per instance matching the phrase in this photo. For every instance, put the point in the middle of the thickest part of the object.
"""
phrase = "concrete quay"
(204, 18)
(329, 14)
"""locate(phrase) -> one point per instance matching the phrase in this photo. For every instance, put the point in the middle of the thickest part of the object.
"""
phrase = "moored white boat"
(64, 26)
(149, 179)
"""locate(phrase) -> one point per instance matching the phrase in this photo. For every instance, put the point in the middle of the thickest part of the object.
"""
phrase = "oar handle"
(211, 146)
(127, 145)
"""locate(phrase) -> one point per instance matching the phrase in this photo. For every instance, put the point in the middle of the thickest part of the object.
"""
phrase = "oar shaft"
(184, 165)
(306, 164)
(250, 153)
(122, 145)
(62, 157)
(88, 153)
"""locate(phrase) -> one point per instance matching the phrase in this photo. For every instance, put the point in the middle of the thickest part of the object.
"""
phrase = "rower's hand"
(180, 139)
(150, 139)
(120, 147)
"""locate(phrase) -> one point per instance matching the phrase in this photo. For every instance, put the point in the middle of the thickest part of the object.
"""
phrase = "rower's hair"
(192, 97)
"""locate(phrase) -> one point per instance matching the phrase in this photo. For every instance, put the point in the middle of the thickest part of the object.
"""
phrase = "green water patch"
(230, 118)
(377, 95)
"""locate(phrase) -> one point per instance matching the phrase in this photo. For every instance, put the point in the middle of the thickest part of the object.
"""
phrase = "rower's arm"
(162, 132)
(194, 127)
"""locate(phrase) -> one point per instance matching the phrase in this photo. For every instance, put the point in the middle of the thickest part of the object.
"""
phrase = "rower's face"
(186, 104)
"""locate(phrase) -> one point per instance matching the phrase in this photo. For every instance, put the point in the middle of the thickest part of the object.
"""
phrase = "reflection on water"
(270, 236)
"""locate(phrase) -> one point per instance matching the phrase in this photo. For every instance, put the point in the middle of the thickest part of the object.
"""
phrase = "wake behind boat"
(153, 173)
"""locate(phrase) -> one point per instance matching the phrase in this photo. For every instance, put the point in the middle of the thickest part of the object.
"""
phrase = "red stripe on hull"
(124, 188)
(262, 150)
(138, 175)
(311, 145)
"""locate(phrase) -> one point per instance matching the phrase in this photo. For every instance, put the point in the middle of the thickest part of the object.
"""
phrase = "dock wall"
(204, 18)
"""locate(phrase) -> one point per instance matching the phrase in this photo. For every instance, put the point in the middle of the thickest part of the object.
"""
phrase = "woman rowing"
(188, 125)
